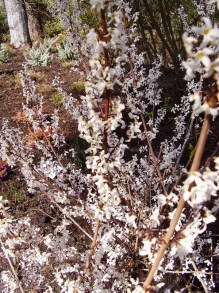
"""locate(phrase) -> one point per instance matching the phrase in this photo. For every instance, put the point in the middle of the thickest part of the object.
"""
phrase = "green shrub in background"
(4, 54)
(3, 24)
(53, 28)
(89, 17)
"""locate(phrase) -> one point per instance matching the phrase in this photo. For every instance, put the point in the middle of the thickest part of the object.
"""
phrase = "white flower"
(202, 57)
(182, 247)
(214, 1)
(207, 30)
(131, 220)
(98, 4)
(198, 107)
(208, 217)
(196, 190)
(146, 250)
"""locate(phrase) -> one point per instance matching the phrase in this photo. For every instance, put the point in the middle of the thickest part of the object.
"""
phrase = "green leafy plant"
(4, 55)
(57, 98)
(89, 17)
(14, 193)
(41, 55)
(53, 28)
(78, 86)
(3, 23)
(65, 52)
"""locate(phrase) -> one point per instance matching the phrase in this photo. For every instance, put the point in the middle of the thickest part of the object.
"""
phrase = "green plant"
(79, 145)
(57, 98)
(4, 54)
(53, 28)
(40, 56)
(3, 23)
(13, 193)
(65, 52)
(78, 86)
(89, 17)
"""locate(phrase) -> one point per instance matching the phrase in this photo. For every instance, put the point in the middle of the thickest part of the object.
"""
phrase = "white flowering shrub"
(136, 213)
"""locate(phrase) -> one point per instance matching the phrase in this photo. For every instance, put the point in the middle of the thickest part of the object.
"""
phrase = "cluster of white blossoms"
(215, 1)
(124, 199)
(202, 48)
(202, 51)
(102, 114)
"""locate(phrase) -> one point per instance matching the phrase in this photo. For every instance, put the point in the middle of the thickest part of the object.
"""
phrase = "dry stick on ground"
(11, 266)
(195, 166)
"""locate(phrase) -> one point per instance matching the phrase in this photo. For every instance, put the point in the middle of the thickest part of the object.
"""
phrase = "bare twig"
(153, 155)
(12, 267)
(52, 149)
(68, 216)
(92, 250)
(197, 274)
(42, 211)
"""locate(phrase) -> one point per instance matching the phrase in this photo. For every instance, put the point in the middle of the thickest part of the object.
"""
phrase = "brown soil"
(11, 97)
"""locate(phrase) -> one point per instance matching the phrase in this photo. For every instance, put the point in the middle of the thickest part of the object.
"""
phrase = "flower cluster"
(101, 227)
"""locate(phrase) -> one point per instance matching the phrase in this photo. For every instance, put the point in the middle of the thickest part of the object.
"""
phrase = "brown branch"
(156, 25)
(195, 166)
(68, 216)
(52, 187)
(12, 267)
(106, 95)
(92, 250)
(199, 277)
(155, 160)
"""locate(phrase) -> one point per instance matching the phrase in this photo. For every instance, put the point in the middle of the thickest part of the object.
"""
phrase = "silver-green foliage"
(65, 52)
(41, 55)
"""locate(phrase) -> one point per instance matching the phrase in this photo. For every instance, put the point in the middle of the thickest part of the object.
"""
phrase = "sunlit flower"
(214, 1)
(208, 31)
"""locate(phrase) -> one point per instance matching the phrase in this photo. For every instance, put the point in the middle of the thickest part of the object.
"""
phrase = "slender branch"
(158, 30)
(153, 155)
(52, 187)
(92, 250)
(190, 272)
(183, 148)
(195, 166)
(106, 95)
(199, 277)
(52, 149)
(68, 216)
(12, 267)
